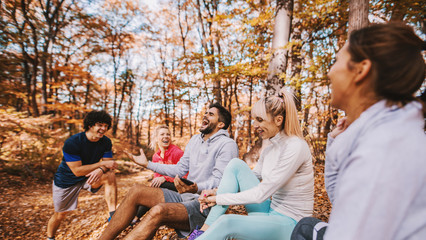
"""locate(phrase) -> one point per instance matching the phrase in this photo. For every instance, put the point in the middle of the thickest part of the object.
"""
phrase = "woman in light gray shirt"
(375, 171)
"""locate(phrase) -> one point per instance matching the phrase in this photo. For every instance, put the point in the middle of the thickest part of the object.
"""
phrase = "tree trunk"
(249, 112)
(34, 61)
(54, 16)
(115, 67)
(34, 73)
(139, 120)
(164, 86)
(116, 50)
(358, 14)
(120, 103)
(183, 33)
(217, 89)
(44, 77)
(149, 126)
(296, 57)
(87, 93)
(165, 108)
(189, 115)
(181, 120)
(231, 133)
(130, 113)
(207, 42)
(104, 97)
(278, 63)
(399, 10)
(174, 107)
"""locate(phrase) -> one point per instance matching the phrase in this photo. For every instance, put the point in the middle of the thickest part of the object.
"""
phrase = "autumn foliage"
(160, 64)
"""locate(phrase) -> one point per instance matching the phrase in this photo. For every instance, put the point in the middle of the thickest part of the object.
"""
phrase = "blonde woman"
(280, 189)
(166, 153)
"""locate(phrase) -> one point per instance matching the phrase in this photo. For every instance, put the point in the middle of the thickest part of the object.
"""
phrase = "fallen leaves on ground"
(26, 206)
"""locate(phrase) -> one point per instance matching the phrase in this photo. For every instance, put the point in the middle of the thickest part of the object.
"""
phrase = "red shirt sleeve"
(176, 155)
(157, 159)
(171, 156)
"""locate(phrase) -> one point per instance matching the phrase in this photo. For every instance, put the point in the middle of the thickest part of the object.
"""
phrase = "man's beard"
(210, 127)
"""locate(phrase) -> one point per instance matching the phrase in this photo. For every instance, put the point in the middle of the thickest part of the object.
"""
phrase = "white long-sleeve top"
(375, 175)
(285, 168)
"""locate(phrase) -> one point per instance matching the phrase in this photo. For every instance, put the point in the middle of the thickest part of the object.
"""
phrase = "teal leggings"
(262, 222)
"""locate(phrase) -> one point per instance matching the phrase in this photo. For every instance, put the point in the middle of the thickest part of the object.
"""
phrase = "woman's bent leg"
(237, 177)
(232, 226)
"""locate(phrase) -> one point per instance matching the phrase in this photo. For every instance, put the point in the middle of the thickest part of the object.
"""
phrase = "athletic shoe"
(195, 234)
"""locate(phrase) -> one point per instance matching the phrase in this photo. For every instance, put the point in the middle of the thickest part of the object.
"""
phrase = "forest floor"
(26, 206)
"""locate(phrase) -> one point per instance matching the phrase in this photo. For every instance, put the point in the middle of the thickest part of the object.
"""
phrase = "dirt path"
(25, 208)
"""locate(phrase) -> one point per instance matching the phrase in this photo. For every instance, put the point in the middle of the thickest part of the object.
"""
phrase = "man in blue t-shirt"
(82, 168)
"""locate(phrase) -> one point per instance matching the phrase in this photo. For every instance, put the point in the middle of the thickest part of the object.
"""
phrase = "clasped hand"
(96, 174)
(110, 164)
(341, 126)
(207, 199)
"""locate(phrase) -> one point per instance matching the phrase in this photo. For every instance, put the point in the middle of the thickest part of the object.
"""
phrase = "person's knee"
(140, 194)
(136, 191)
(60, 215)
(223, 225)
(235, 163)
(226, 220)
(158, 211)
(110, 178)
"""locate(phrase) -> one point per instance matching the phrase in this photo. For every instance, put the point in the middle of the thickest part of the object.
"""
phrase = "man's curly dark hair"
(94, 117)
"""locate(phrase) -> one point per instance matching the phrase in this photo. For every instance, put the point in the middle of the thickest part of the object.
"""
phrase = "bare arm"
(81, 170)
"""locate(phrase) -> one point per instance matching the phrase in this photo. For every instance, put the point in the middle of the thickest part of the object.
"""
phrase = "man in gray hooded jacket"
(205, 158)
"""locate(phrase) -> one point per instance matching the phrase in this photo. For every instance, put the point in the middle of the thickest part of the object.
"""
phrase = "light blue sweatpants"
(262, 222)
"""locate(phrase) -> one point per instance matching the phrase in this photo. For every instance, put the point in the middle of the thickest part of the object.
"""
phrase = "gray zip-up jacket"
(204, 160)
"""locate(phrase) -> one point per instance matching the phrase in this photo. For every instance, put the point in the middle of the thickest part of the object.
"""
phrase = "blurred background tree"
(161, 63)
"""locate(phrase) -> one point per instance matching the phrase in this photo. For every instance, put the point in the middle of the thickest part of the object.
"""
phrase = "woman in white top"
(277, 193)
(375, 170)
